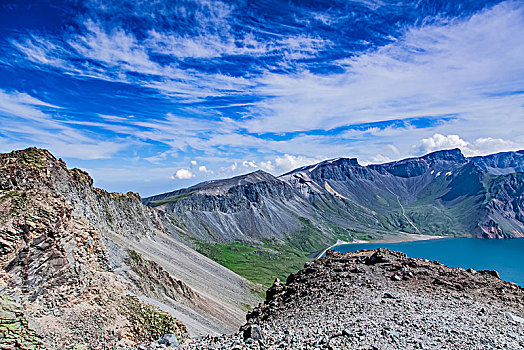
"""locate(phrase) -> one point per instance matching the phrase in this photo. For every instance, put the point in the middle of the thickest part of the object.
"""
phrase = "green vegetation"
(170, 199)
(365, 236)
(15, 331)
(135, 256)
(8, 194)
(148, 323)
(309, 238)
(340, 233)
(34, 157)
(259, 263)
(80, 175)
(18, 202)
(264, 261)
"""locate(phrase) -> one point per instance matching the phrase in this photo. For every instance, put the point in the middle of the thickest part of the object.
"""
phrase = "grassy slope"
(263, 262)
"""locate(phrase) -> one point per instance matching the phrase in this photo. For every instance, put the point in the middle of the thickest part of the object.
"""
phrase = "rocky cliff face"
(256, 206)
(504, 206)
(382, 300)
(501, 163)
(412, 167)
(71, 254)
(54, 265)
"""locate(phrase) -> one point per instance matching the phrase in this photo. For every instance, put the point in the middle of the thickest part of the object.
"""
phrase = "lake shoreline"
(390, 239)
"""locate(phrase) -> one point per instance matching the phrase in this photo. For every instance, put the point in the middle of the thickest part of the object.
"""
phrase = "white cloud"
(379, 158)
(479, 146)
(287, 162)
(433, 70)
(184, 174)
(28, 122)
(268, 166)
(249, 164)
(205, 170)
(438, 142)
(193, 162)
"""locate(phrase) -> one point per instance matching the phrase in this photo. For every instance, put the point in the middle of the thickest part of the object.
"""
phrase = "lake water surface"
(505, 255)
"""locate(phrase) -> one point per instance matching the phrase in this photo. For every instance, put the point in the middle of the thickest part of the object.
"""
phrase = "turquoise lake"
(505, 256)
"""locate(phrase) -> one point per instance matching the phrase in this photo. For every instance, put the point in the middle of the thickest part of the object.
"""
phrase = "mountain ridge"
(371, 200)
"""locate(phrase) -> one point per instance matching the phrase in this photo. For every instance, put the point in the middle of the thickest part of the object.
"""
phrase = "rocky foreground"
(382, 300)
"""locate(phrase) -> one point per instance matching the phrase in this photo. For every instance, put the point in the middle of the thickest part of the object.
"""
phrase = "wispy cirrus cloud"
(453, 67)
(22, 118)
(238, 86)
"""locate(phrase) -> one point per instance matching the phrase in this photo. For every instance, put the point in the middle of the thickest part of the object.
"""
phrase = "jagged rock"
(376, 258)
(490, 273)
(169, 340)
(253, 331)
(276, 289)
(389, 296)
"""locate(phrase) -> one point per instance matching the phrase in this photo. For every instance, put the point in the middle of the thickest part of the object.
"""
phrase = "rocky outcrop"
(501, 163)
(15, 330)
(382, 300)
(73, 255)
(411, 167)
(55, 265)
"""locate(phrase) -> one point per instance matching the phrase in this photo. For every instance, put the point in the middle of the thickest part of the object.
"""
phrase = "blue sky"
(150, 96)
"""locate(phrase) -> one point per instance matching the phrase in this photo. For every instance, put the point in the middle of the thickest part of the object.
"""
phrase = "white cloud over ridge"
(480, 146)
(287, 162)
(183, 174)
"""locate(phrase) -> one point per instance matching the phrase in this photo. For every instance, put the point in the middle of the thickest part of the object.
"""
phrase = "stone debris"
(328, 305)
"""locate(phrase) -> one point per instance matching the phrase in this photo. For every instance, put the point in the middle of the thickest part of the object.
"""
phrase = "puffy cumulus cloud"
(249, 164)
(194, 162)
(268, 166)
(183, 174)
(479, 146)
(438, 142)
(205, 170)
(286, 163)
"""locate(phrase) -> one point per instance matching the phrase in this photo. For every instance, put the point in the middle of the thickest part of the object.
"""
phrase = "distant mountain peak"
(329, 162)
(341, 160)
(454, 154)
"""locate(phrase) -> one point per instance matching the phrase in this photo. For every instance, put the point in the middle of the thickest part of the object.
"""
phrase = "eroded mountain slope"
(126, 241)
